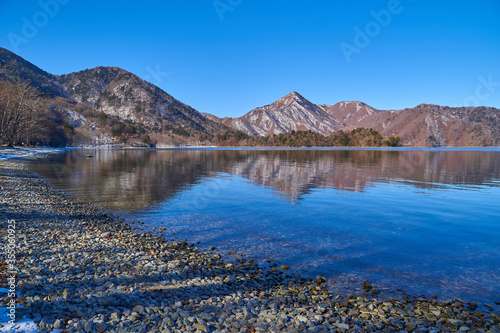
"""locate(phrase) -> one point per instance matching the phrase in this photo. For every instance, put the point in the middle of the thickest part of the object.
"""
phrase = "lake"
(423, 221)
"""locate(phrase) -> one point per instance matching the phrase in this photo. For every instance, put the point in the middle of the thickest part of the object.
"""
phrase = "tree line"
(360, 137)
(28, 117)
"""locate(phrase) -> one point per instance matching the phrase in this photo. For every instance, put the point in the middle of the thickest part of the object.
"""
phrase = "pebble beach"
(80, 269)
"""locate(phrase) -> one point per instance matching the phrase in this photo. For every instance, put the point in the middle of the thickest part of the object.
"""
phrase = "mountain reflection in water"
(426, 221)
(128, 180)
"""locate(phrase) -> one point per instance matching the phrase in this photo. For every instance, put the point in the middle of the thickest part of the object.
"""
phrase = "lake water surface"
(425, 221)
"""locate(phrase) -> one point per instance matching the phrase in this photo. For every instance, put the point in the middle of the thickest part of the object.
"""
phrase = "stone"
(367, 285)
(183, 313)
(247, 314)
(57, 324)
(101, 327)
(342, 326)
(139, 309)
(88, 326)
(201, 326)
(302, 318)
(205, 316)
(450, 326)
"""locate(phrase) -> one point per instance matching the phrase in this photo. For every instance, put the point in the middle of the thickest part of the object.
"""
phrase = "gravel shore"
(82, 270)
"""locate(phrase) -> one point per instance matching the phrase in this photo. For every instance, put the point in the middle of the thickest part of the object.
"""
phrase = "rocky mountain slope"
(13, 66)
(290, 113)
(108, 105)
(423, 125)
(349, 114)
(434, 125)
(119, 93)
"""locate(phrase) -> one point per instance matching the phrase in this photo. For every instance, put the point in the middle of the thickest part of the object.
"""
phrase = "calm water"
(425, 221)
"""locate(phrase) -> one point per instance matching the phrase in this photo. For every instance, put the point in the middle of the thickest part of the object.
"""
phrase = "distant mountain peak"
(294, 95)
(292, 112)
(292, 98)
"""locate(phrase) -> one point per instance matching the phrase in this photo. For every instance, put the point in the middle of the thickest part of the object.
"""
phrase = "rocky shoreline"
(82, 270)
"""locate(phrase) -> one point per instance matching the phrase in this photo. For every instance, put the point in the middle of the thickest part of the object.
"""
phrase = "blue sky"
(227, 57)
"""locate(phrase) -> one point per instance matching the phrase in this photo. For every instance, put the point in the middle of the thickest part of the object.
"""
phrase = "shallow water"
(425, 221)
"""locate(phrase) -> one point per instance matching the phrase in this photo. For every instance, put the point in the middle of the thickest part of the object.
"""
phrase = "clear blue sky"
(242, 54)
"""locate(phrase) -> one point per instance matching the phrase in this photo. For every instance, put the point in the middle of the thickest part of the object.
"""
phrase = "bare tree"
(24, 115)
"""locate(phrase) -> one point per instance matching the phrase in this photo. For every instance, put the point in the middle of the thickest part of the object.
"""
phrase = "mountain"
(350, 114)
(108, 105)
(423, 125)
(13, 66)
(432, 125)
(290, 113)
(212, 117)
(122, 94)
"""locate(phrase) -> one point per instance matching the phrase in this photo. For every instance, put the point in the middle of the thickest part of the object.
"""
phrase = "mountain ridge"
(111, 103)
(116, 105)
(292, 112)
(423, 125)
(120, 93)
(12, 65)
